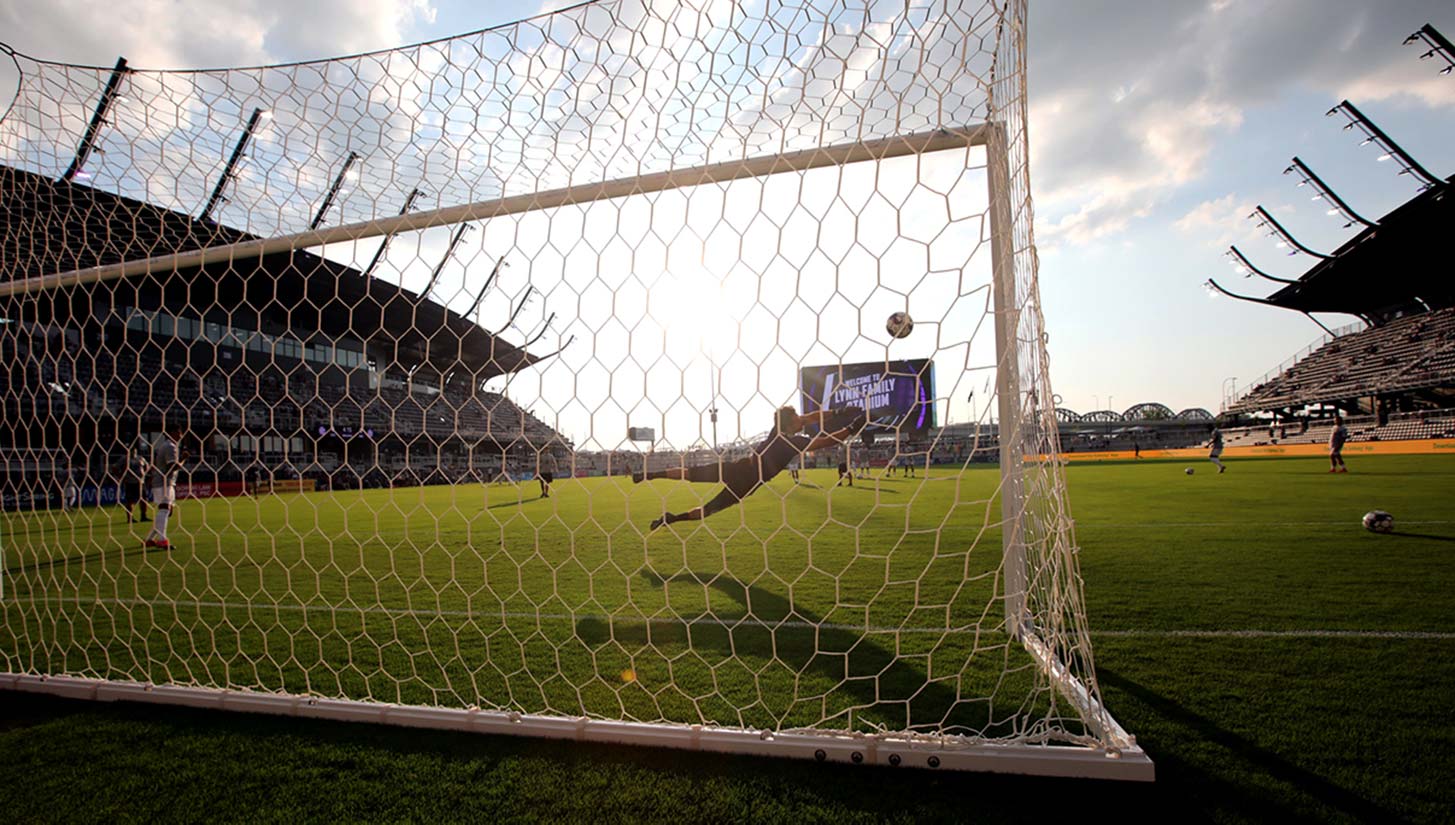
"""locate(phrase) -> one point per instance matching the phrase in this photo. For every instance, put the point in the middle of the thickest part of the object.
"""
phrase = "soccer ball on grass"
(1378, 521)
(899, 324)
(1188, 471)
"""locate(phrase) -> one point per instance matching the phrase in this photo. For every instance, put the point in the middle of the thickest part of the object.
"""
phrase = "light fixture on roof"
(109, 96)
(333, 190)
(229, 172)
(1439, 46)
(1237, 259)
(1391, 150)
(1324, 192)
(1285, 238)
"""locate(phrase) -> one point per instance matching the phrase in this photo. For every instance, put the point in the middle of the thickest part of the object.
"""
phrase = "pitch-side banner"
(897, 395)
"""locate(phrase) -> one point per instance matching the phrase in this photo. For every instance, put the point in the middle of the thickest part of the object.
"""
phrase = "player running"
(166, 460)
(1337, 439)
(770, 457)
(1216, 445)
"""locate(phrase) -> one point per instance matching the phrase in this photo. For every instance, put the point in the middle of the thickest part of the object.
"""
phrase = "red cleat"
(149, 543)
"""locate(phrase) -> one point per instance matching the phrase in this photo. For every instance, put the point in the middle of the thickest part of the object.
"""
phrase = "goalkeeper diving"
(785, 444)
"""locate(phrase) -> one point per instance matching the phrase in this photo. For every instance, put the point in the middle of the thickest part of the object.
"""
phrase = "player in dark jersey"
(768, 458)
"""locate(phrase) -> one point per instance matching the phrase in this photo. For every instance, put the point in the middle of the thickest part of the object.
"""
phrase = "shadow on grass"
(1430, 536)
(1255, 756)
(210, 764)
(874, 684)
(100, 555)
(56, 525)
(499, 504)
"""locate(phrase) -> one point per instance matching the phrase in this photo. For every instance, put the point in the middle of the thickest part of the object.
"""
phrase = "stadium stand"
(1411, 353)
(1388, 276)
(312, 370)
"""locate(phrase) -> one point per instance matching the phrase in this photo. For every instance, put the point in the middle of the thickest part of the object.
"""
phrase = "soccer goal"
(655, 373)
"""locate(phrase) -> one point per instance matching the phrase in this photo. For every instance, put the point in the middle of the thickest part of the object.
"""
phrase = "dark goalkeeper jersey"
(772, 455)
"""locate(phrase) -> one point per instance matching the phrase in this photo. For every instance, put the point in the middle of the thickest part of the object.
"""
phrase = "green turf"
(494, 597)
(1267, 727)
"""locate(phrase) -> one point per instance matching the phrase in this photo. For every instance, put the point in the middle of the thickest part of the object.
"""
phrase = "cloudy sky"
(1155, 128)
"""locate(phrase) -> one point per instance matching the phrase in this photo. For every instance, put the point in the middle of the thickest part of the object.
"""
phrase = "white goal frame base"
(895, 750)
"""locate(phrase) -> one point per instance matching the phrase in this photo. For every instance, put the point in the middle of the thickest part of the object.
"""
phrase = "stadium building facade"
(285, 369)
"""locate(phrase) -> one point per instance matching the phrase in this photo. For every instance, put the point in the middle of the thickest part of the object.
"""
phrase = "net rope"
(365, 424)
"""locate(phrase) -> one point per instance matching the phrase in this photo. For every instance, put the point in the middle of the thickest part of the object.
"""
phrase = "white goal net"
(651, 372)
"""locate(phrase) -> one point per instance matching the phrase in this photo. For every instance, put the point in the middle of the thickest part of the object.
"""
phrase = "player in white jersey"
(162, 469)
(70, 494)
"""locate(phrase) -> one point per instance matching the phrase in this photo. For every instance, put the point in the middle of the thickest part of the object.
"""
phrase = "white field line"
(402, 612)
(1134, 525)
(1274, 634)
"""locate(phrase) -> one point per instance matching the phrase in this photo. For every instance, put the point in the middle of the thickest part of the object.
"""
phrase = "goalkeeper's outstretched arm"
(837, 437)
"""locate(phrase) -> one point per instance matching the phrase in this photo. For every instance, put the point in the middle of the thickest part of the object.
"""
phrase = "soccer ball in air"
(1378, 521)
(899, 324)
(1188, 471)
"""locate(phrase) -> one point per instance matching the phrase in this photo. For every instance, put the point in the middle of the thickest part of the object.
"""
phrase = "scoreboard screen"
(896, 395)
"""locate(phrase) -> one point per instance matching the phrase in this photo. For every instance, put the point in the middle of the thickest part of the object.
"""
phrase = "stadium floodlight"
(439, 268)
(1322, 191)
(1214, 289)
(333, 190)
(1239, 260)
(1438, 44)
(1390, 149)
(516, 309)
(230, 170)
(500, 264)
(109, 96)
(784, 207)
(1265, 220)
(414, 195)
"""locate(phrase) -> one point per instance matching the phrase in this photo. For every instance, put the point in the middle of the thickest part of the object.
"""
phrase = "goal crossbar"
(755, 167)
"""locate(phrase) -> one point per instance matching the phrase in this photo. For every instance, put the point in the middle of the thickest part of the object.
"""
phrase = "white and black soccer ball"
(899, 324)
(1188, 471)
(1378, 521)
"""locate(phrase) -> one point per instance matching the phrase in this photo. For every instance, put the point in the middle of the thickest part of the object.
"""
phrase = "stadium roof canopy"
(1400, 266)
(48, 227)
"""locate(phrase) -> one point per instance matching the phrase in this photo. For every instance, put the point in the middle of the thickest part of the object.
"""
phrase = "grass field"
(1273, 658)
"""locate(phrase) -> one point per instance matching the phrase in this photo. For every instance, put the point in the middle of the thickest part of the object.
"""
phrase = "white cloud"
(1106, 149)
(166, 34)
(1217, 222)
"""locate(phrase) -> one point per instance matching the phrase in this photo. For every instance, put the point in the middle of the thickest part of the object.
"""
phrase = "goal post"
(683, 219)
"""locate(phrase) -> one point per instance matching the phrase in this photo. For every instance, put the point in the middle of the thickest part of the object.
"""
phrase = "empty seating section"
(1399, 427)
(1410, 353)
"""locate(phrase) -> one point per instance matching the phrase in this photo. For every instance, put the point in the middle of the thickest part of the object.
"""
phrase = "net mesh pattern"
(408, 471)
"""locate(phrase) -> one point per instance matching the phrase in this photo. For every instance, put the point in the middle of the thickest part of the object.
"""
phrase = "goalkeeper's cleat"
(638, 478)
